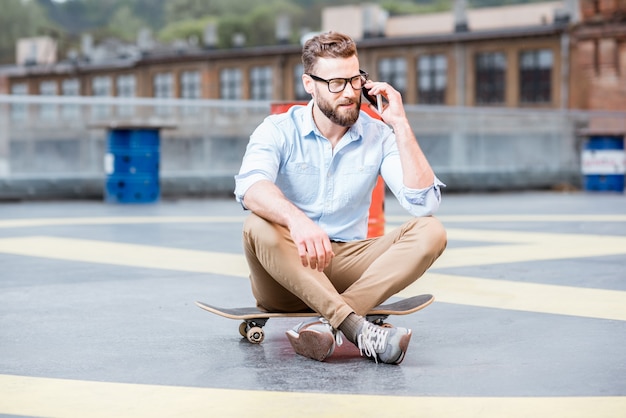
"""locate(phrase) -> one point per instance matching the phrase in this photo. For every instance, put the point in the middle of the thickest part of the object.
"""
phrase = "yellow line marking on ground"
(133, 255)
(502, 294)
(112, 220)
(522, 296)
(517, 218)
(526, 236)
(523, 246)
(46, 397)
(526, 246)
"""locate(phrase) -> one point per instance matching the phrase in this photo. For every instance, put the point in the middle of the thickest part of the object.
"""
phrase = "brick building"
(553, 55)
(599, 56)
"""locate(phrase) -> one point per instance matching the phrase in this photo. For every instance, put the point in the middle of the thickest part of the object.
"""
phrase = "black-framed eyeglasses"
(337, 85)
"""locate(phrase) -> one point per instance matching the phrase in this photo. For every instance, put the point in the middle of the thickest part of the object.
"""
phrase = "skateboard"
(255, 319)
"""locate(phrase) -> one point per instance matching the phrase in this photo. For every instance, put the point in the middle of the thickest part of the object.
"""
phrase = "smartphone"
(375, 100)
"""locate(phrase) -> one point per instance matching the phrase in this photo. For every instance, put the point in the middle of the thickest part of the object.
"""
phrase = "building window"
(20, 89)
(393, 71)
(126, 87)
(19, 111)
(230, 84)
(536, 76)
(48, 88)
(163, 89)
(101, 87)
(70, 87)
(190, 85)
(490, 77)
(48, 111)
(432, 71)
(190, 88)
(298, 88)
(163, 85)
(261, 83)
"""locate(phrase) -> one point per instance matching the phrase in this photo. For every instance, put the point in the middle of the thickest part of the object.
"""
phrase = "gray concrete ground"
(97, 316)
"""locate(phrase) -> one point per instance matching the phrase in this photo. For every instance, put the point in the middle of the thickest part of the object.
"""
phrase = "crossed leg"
(362, 274)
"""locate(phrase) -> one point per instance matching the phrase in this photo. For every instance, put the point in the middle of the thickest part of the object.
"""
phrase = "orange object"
(376, 222)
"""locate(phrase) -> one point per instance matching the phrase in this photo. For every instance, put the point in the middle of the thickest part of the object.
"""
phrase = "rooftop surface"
(97, 316)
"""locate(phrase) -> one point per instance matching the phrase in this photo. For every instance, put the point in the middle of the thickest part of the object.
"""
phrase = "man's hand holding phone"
(386, 100)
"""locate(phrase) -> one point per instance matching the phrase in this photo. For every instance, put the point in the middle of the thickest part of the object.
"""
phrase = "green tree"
(179, 19)
(177, 10)
(125, 24)
(255, 20)
(400, 7)
(228, 26)
(261, 24)
(151, 12)
(185, 29)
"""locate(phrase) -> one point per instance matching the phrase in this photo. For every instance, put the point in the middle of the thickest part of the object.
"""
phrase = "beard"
(337, 115)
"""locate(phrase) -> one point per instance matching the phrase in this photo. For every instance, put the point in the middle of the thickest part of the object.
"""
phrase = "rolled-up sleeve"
(261, 159)
(421, 202)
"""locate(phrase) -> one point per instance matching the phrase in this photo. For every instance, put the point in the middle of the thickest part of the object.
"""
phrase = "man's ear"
(309, 84)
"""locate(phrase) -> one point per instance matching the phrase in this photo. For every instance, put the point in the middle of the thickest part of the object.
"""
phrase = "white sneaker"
(387, 345)
(314, 339)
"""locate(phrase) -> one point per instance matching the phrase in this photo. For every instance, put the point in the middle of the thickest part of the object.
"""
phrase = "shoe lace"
(336, 333)
(372, 340)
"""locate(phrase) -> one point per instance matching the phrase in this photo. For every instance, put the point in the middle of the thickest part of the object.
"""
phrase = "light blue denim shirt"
(332, 187)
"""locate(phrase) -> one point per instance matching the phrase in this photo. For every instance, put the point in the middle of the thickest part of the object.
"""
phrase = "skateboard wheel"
(255, 335)
(243, 329)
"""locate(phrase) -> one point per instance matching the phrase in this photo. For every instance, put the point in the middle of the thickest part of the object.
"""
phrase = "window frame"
(535, 80)
(261, 82)
(394, 70)
(432, 73)
(231, 80)
(490, 69)
(299, 91)
(190, 84)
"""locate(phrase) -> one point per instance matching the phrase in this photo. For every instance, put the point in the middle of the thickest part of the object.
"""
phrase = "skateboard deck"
(255, 319)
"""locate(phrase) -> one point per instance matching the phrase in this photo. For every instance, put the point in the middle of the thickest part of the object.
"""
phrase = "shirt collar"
(308, 125)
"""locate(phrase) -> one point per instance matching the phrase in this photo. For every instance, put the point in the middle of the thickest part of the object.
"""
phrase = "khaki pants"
(362, 274)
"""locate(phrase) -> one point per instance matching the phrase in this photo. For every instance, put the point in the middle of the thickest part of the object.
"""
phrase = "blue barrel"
(132, 166)
(603, 163)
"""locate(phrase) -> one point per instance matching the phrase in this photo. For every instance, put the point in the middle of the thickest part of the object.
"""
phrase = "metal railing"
(59, 137)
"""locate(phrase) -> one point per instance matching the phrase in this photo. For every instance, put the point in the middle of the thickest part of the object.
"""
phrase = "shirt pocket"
(357, 181)
(300, 183)
(360, 170)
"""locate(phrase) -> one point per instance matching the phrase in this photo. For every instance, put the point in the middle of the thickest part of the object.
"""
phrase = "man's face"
(340, 108)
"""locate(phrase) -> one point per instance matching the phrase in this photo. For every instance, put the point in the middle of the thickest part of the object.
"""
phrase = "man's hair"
(327, 45)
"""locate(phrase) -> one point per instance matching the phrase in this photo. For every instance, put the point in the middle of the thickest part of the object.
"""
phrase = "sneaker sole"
(312, 344)
(404, 346)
